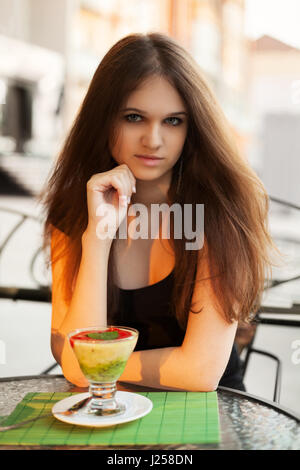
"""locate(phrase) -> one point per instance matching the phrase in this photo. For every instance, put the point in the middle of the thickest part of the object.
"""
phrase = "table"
(246, 421)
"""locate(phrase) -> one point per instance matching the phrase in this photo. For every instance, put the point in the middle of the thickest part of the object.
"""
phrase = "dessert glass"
(102, 353)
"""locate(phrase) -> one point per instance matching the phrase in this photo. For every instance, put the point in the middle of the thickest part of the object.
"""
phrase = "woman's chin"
(148, 174)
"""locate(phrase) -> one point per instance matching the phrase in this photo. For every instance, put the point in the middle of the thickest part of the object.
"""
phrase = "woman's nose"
(152, 137)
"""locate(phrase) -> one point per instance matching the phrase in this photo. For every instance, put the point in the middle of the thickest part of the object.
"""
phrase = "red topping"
(84, 335)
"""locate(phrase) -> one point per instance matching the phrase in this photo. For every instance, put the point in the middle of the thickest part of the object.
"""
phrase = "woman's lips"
(148, 161)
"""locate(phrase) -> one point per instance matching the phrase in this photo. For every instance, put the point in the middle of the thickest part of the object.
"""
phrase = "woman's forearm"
(88, 306)
(89, 300)
(166, 368)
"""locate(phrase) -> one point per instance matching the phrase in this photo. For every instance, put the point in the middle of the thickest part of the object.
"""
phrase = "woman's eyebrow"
(144, 112)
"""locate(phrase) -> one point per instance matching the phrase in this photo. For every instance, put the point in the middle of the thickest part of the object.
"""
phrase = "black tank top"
(148, 310)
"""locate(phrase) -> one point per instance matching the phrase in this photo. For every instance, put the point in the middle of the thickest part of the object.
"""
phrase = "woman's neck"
(151, 192)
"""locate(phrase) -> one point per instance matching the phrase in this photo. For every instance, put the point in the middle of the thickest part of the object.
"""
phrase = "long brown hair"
(236, 204)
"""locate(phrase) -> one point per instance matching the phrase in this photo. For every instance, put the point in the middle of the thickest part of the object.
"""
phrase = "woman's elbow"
(57, 344)
(203, 386)
(208, 387)
(195, 382)
(199, 379)
(74, 376)
(69, 364)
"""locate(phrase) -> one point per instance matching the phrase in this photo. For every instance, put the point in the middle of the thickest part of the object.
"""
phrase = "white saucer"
(137, 406)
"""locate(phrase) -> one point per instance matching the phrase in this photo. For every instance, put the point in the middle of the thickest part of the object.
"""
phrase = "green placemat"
(176, 418)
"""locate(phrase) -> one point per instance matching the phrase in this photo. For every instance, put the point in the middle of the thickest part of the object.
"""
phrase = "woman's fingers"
(120, 178)
(114, 187)
(128, 179)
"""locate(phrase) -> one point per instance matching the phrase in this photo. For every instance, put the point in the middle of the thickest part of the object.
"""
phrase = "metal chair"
(41, 292)
(278, 375)
(271, 310)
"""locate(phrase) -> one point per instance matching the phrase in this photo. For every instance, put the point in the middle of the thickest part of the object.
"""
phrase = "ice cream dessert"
(103, 353)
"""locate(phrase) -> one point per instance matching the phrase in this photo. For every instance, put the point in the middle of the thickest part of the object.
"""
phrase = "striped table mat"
(176, 418)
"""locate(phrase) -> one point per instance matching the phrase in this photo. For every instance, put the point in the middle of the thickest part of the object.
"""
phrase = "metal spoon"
(80, 404)
(68, 412)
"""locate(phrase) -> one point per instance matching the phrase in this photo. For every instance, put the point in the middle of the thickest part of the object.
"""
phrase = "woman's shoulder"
(59, 242)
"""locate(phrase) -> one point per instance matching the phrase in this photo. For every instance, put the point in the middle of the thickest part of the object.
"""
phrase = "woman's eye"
(179, 121)
(129, 117)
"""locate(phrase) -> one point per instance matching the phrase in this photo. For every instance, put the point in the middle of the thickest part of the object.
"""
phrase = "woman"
(148, 97)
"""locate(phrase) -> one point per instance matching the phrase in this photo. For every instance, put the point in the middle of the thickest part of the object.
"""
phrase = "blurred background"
(249, 50)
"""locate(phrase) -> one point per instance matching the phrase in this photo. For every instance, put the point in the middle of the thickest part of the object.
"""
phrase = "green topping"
(104, 372)
(104, 335)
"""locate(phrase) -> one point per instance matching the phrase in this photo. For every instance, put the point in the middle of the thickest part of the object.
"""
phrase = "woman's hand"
(108, 195)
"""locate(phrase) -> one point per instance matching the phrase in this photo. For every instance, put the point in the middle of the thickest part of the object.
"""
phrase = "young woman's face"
(157, 126)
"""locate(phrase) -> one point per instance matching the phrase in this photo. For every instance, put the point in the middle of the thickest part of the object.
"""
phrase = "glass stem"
(103, 391)
(103, 396)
